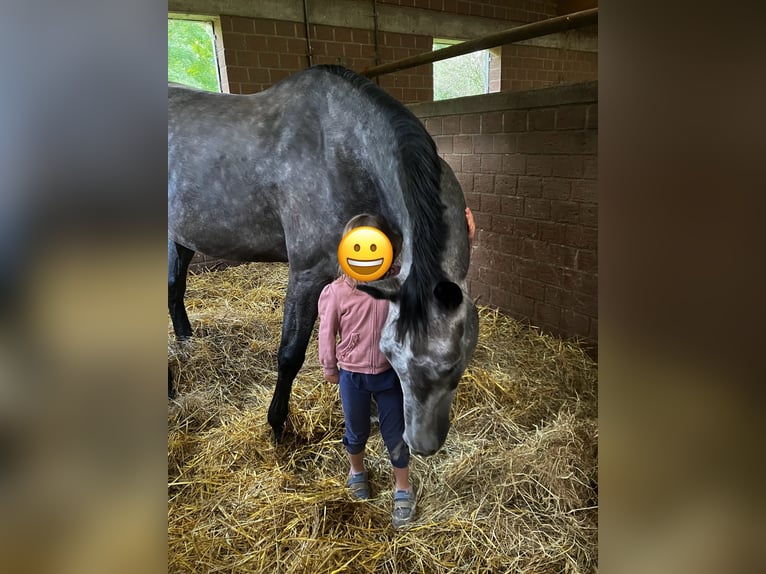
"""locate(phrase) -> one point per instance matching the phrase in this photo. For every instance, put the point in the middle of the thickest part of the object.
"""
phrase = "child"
(349, 336)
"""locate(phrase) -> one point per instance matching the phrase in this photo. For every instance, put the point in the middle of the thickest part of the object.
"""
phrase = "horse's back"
(216, 199)
(276, 175)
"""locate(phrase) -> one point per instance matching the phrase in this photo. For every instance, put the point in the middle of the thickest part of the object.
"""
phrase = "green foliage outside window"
(191, 54)
(464, 75)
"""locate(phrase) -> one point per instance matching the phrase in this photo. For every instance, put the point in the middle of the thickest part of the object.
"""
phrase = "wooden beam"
(508, 36)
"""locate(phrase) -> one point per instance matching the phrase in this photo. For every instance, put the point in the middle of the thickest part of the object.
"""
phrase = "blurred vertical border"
(83, 320)
(681, 290)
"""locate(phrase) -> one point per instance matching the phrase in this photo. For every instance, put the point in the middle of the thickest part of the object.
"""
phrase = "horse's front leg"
(297, 324)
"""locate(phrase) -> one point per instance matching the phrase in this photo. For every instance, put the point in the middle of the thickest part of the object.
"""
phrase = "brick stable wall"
(517, 10)
(259, 52)
(531, 67)
(527, 164)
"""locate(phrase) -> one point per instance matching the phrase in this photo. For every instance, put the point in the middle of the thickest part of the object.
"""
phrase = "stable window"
(466, 75)
(192, 53)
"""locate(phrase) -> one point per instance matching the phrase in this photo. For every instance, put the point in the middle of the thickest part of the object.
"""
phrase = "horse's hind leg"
(297, 324)
(179, 258)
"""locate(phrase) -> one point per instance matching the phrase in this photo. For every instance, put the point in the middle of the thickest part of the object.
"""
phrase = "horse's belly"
(236, 251)
(230, 241)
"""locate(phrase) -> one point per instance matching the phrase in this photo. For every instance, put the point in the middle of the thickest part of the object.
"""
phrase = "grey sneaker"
(359, 485)
(404, 507)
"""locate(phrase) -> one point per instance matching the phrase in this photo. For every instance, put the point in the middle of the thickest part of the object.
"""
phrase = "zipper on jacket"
(375, 336)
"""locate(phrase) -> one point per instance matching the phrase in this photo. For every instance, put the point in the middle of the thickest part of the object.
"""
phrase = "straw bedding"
(514, 489)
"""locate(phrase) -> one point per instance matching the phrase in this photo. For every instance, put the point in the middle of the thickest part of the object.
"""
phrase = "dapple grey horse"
(275, 176)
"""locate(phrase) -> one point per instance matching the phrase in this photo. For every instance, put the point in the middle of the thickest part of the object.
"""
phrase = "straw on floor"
(514, 489)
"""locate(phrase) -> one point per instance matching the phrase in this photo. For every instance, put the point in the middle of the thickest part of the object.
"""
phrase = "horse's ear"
(448, 294)
(383, 289)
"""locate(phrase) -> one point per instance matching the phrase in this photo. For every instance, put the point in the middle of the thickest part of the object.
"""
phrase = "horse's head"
(429, 365)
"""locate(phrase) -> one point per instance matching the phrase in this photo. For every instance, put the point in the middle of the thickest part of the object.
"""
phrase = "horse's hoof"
(278, 433)
(183, 347)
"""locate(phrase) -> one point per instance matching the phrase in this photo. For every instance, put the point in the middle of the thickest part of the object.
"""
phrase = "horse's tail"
(420, 180)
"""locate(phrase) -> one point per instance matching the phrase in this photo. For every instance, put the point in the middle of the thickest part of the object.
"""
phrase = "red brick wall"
(530, 67)
(260, 52)
(527, 164)
(518, 10)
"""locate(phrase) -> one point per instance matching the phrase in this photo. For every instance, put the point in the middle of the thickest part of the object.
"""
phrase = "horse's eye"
(373, 247)
(357, 247)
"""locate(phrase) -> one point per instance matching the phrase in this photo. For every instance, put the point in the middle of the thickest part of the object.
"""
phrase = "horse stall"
(514, 488)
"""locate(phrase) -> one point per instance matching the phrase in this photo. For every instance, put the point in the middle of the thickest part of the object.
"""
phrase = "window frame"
(215, 23)
(446, 42)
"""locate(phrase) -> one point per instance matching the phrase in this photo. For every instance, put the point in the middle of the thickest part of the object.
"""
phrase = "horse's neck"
(406, 257)
(456, 256)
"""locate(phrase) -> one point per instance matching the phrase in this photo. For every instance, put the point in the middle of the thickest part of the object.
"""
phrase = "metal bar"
(517, 34)
(375, 36)
(375, 30)
(308, 31)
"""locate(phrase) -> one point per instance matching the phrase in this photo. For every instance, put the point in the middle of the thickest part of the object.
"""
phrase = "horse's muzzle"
(425, 445)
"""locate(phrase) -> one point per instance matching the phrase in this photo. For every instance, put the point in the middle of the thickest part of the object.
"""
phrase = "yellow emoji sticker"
(365, 253)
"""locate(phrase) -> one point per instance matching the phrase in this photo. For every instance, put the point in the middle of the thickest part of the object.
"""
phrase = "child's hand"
(331, 378)
(471, 225)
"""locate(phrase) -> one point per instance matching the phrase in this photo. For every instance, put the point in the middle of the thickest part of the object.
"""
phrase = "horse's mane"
(420, 177)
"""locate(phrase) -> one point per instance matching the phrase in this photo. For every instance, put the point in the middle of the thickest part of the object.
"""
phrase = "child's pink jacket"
(350, 323)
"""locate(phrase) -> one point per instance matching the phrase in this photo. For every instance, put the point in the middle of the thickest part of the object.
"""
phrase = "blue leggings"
(356, 391)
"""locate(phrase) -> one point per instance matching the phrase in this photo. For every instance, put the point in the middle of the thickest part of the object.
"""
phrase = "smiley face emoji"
(365, 253)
